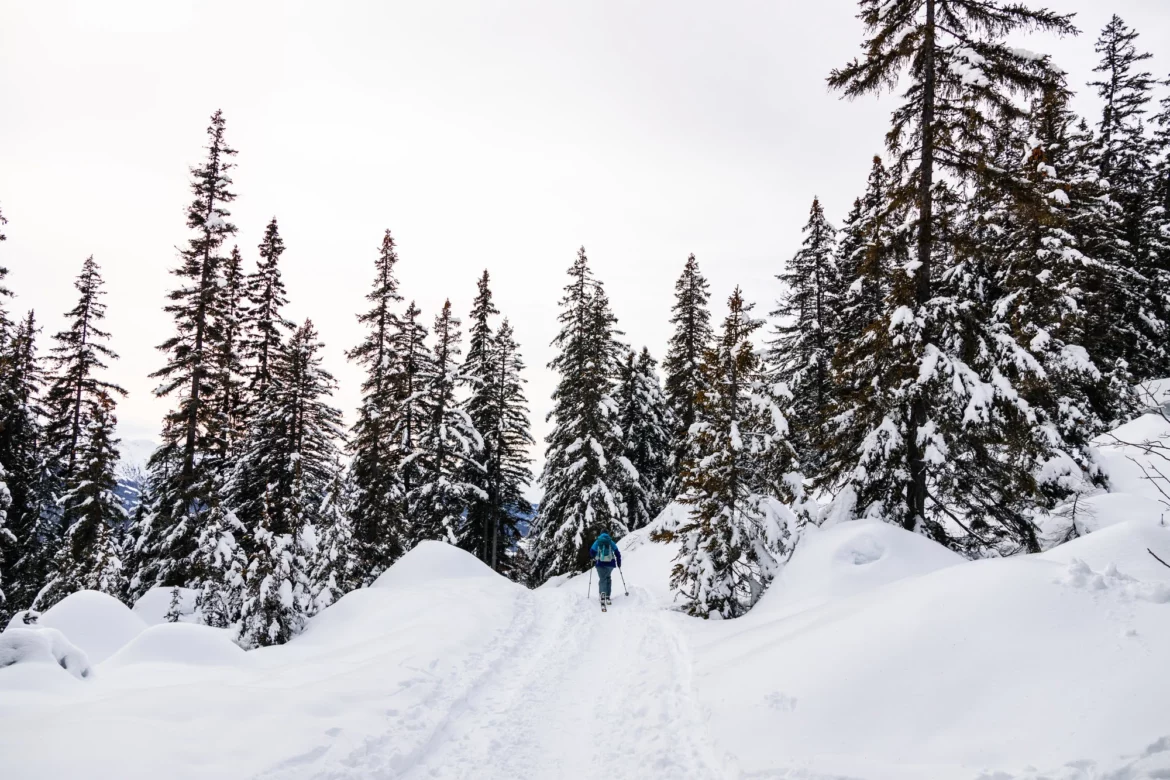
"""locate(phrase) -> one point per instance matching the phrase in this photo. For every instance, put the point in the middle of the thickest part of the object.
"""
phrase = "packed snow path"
(564, 691)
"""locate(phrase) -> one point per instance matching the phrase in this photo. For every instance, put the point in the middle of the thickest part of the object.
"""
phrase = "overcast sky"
(498, 134)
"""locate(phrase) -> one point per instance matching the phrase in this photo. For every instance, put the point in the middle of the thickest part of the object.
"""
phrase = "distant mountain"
(131, 470)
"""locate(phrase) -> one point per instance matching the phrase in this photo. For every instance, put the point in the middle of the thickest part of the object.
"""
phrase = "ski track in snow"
(563, 691)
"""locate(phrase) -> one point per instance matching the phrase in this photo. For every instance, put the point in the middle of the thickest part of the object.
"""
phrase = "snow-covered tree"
(219, 565)
(292, 448)
(1124, 159)
(963, 81)
(376, 501)
(411, 411)
(508, 463)
(480, 378)
(684, 358)
(32, 514)
(448, 445)
(182, 470)
(740, 480)
(335, 566)
(230, 379)
(807, 334)
(586, 471)
(89, 556)
(647, 426)
(266, 326)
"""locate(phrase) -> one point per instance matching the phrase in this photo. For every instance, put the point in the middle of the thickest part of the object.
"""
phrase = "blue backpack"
(604, 550)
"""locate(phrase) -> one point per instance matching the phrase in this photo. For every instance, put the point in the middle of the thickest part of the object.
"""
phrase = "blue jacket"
(617, 554)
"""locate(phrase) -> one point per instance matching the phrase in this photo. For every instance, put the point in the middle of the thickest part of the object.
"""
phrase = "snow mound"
(1124, 545)
(431, 561)
(1106, 509)
(45, 646)
(908, 673)
(180, 643)
(848, 558)
(156, 603)
(97, 623)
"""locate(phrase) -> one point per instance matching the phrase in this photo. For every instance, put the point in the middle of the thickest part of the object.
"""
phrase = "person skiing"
(605, 555)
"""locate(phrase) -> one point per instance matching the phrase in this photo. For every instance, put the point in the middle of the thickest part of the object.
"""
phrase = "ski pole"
(627, 590)
(589, 591)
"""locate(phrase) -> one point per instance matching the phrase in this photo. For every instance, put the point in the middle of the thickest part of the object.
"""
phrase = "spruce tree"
(376, 483)
(1040, 282)
(266, 326)
(481, 378)
(230, 379)
(586, 472)
(7, 538)
(963, 80)
(293, 443)
(82, 450)
(684, 357)
(644, 416)
(449, 445)
(1125, 163)
(89, 556)
(412, 409)
(508, 465)
(737, 481)
(807, 335)
(335, 566)
(183, 477)
(1160, 218)
(33, 512)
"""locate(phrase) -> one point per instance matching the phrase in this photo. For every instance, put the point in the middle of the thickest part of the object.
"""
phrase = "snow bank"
(97, 623)
(432, 561)
(849, 558)
(1124, 545)
(154, 605)
(41, 646)
(995, 665)
(179, 643)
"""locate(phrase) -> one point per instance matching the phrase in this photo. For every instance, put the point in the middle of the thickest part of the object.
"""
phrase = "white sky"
(500, 134)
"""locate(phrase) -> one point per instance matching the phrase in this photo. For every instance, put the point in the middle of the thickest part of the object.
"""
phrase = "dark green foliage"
(376, 500)
(684, 357)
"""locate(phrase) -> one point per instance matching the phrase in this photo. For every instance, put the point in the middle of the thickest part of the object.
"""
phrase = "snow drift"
(179, 643)
(97, 623)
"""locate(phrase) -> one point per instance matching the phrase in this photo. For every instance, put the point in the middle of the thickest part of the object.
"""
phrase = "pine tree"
(684, 357)
(293, 445)
(1125, 163)
(7, 538)
(448, 444)
(481, 378)
(647, 426)
(374, 471)
(230, 380)
(335, 567)
(82, 450)
(737, 481)
(412, 410)
(219, 564)
(807, 335)
(77, 392)
(508, 462)
(266, 326)
(183, 474)
(92, 514)
(1160, 218)
(32, 515)
(963, 78)
(586, 471)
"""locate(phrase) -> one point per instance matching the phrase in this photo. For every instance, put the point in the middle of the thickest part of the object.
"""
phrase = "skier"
(605, 555)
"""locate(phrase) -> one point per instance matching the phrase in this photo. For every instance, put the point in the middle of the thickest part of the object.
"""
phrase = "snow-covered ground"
(876, 655)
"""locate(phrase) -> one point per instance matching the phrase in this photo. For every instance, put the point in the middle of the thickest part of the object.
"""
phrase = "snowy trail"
(575, 693)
